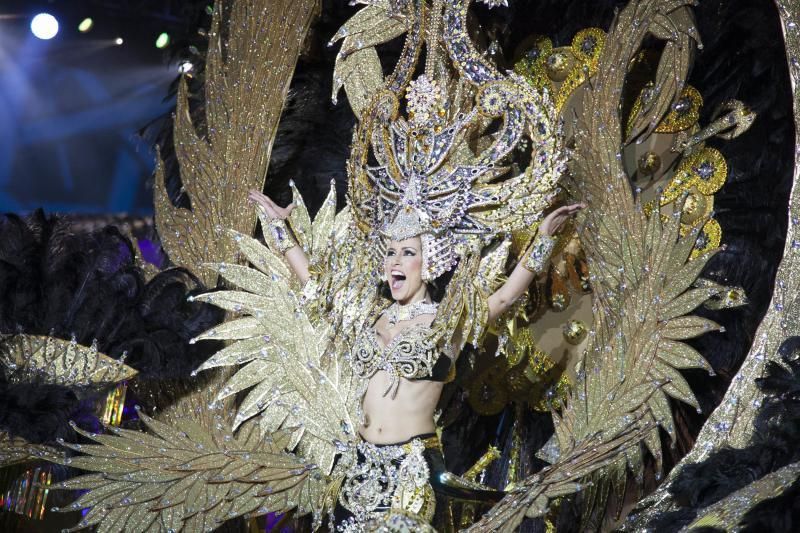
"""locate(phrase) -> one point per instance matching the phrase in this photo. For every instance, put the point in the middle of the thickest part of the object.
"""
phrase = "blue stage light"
(44, 26)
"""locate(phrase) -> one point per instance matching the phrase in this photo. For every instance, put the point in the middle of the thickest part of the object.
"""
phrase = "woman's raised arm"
(533, 263)
(281, 235)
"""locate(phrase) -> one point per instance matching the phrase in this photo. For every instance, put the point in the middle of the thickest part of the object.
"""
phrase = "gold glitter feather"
(284, 347)
(673, 23)
(59, 362)
(14, 450)
(643, 274)
(244, 100)
(643, 280)
(190, 475)
(358, 68)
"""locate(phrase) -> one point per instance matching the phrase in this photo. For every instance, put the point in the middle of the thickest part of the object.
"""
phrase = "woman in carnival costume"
(399, 458)
(430, 202)
(404, 371)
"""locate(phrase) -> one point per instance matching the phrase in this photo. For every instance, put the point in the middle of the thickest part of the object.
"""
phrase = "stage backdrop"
(70, 110)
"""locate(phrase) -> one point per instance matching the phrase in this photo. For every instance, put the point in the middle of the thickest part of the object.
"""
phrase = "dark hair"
(436, 287)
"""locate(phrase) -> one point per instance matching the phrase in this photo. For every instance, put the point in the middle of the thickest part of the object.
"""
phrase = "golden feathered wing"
(284, 341)
(274, 451)
(193, 472)
(243, 103)
(643, 278)
(190, 475)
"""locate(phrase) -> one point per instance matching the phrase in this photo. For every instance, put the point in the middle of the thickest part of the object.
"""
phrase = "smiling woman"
(403, 271)
(402, 367)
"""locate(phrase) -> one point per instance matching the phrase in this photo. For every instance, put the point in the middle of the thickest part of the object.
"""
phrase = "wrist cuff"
(281, 236)
(539, 254)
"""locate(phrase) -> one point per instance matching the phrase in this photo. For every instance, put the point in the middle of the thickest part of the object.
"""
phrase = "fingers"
(258, 197)
(273, 210)
(272, 204)
(564, 212)
(263, 201)
(571, 209)
(556, 219)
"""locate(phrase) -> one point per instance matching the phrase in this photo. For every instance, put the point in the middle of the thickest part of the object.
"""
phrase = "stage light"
(185, 67)
(119, 41)
(162, 41)
(86, 25)
(44, 26)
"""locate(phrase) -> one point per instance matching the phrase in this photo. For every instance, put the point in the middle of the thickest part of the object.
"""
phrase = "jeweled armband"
(540, 251)
(281, 236)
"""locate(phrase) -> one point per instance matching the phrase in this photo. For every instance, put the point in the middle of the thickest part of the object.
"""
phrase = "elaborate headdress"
(442, 169)
(415, 196)
(429, 182)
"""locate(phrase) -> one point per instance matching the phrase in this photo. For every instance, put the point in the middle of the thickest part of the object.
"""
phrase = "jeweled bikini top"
(411, 354)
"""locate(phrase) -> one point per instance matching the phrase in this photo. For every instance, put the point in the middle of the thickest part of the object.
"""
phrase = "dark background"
(71, 107)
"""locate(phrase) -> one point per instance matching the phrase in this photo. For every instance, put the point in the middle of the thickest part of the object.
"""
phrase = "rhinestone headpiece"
(438, 171)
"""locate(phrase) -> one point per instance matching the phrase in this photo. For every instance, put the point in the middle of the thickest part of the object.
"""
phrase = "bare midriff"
(389, 418)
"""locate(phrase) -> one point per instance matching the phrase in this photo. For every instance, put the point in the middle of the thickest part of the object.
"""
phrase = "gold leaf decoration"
(642, 277)
(55, 361)
(733, 423)
(358, 68)
(684, 113)
(187, 476)
(674, 24)
(283, 347)
(15, 450)
(643, 272)
(244, 100)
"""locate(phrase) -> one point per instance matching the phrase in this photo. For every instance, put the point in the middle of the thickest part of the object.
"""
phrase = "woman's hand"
(294, 254)
(517, 283)
(552, 223)
(273, 210)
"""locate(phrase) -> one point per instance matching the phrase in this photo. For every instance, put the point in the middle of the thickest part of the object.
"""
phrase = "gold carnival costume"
(388, 477)
(433, 155)
(429, 182)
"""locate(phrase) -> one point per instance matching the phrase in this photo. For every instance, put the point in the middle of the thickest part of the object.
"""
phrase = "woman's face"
(403, 270)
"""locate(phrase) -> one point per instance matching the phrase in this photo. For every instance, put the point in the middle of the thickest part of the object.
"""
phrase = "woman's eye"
(390, 253)
(409, 253)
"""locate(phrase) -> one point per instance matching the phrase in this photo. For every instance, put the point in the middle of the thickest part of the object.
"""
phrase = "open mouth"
(397, 280)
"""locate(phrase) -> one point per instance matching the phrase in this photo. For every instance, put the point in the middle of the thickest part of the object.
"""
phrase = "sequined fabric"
(384, 478)
(411, 355)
